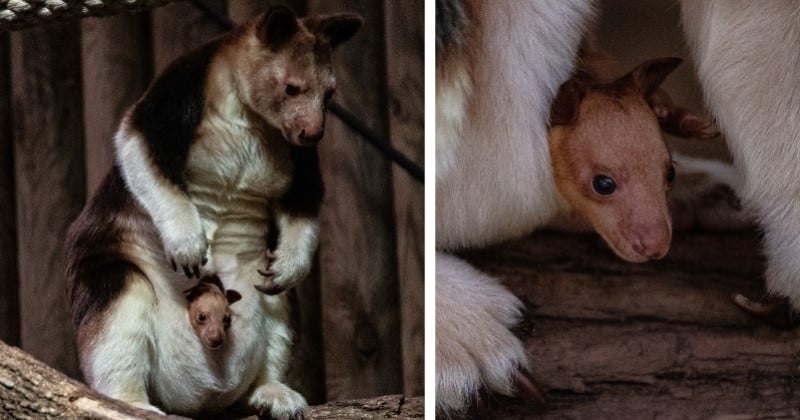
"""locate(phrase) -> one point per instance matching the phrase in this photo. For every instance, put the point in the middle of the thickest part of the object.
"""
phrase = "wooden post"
(116, 69)
(405, 34)
(50, 190)
(357, 249)
(180, 27)
(241, 11)
(9, 288)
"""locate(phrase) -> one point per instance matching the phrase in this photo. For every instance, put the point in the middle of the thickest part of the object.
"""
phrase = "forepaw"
(185, 246)
(277, 401)
(282, 272)
(775, 311)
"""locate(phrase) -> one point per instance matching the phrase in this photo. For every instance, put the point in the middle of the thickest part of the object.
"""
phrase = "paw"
(277, 401)
(283, 271)
(185, 244)
(475, 348)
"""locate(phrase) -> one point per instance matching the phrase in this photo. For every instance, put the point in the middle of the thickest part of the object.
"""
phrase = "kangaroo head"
(209, 310)
(284, 70)
(610, 160)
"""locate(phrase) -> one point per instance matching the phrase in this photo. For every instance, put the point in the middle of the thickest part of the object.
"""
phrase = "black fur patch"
(170, 111)
(304, 196)
(452, 21)
(96, 269)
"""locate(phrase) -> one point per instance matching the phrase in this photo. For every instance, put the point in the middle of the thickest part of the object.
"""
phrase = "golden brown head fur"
(209, 310)
(610, 160)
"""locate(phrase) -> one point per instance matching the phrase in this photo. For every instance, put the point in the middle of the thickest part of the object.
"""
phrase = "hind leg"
(271, 397)
(115, 346)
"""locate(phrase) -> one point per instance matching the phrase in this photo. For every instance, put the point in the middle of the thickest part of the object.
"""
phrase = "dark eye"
(603, 184)
(292, 90)
(226, 321)
(671, 174)
(201, 317)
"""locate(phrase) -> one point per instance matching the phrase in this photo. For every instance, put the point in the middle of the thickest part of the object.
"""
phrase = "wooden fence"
(63, 89)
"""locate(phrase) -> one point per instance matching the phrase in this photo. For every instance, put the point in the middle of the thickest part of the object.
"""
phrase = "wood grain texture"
(50, 191)
(241, 11)
(180, 27)
(117, 66)
(405, 40)
(9, 282)
(357, 249)
(659, 340)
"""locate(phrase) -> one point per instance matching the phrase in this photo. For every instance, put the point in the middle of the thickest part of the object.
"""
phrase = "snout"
(648, 242)
(214, 341)
(304, 133)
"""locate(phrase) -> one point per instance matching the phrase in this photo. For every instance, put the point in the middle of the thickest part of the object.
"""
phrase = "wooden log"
(357, 240)
(405, 34)
(30, 389)
(180, 27)
(662, 339)
(9, 286)
(50, 190)
(117, 61)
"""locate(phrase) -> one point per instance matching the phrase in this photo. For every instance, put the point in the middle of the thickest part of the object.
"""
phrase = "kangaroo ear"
(679, 121)
(647, 77)
(336, 29)
(277, 27)
(232, 296)
(567, 103)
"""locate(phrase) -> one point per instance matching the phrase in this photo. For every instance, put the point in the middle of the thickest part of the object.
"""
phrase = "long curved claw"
(776, 312)
(528, 387)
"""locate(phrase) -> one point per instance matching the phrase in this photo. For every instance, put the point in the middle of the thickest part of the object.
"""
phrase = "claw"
(186, 271)
(270, 256)
(528, 386)
(196, 271)
(267, 274)
(174, 266)
(271, 290)
(481, 407)
(776, 311)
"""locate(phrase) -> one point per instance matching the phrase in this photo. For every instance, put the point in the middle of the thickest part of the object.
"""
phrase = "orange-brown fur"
(209, 310)
(612, 128)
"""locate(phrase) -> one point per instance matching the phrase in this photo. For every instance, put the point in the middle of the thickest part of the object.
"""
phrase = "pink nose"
(311, 135)
(652, 243)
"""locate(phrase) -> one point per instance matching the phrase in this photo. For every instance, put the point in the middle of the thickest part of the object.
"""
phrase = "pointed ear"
(277, 27)
(336, 29)
(567, 103)
(679, 121)
(232, 296)
(647, 77)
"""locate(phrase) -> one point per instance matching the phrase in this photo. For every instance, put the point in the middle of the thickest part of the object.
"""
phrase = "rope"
(352, 121)
(19, 14)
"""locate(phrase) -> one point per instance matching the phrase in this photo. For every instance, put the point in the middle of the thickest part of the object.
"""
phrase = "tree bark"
(31, 389)
(662, 339)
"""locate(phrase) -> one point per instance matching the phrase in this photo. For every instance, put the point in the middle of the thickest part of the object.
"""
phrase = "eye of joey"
(603, 184)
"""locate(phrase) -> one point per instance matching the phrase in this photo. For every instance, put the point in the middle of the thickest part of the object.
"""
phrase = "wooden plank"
(180, 27)
(49, 153)
(116, 70)
(241, 11)
(357, 249)
(405, 34)
(660, 339)
(9, 286)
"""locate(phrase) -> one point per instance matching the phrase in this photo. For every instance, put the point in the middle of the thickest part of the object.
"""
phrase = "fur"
(747, 62)
(207, 161)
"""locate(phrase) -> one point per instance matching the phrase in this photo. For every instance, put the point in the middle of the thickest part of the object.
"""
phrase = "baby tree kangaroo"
(610, 161)
(220, 148)
(210, 311)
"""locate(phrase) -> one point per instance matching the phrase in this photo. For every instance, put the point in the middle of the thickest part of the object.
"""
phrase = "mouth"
(631, 250)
